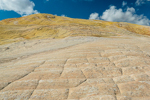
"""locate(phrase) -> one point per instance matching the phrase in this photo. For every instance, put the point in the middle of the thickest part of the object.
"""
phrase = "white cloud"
(22, 7)
(124, 3)
(118, 15)
(94, 16)
(140, 2)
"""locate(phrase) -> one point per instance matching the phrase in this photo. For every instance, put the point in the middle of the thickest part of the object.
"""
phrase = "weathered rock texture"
(76, 68)
(41, 26)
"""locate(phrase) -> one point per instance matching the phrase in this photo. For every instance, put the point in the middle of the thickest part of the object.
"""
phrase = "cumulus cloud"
(94, 16)
(22, 7)
(118, 15)
(124, 3)
(140, 2)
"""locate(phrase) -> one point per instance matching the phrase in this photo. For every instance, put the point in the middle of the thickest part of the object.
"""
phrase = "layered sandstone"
(42, 26)
(85, 61)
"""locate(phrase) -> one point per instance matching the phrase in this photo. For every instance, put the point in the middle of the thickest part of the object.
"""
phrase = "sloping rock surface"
(76, 68)
(43, 26)
(47, 57)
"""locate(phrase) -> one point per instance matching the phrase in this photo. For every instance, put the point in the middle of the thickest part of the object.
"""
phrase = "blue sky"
(132, 11)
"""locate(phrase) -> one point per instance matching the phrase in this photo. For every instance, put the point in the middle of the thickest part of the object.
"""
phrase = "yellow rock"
(40, 26)
(47, 57)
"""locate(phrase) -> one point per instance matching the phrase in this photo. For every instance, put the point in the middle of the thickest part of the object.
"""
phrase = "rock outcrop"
(42, 26)
(46, 57)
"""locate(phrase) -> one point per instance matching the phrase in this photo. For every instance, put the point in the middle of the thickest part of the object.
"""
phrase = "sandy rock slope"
(76, 68)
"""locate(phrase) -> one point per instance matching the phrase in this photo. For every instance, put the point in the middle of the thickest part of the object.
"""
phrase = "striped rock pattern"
(76, 68)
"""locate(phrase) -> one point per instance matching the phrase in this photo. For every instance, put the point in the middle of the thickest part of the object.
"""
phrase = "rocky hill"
(48, 57)
(39, 26)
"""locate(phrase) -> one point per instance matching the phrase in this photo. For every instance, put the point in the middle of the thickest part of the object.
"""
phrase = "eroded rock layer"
(42, 26)
(76, 68)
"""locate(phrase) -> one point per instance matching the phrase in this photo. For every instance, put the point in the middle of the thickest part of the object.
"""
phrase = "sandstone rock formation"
(73, 59)
(41, 26)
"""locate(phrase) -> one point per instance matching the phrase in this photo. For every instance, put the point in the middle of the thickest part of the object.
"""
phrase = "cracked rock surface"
(76, 68)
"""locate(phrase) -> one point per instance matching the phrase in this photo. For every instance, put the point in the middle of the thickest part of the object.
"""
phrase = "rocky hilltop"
(41, 26)
(48, 57)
